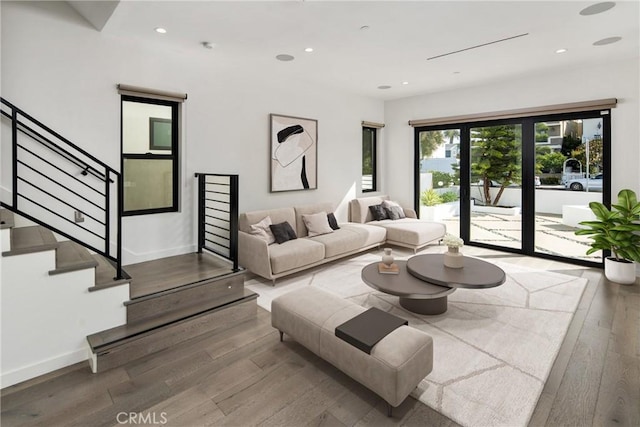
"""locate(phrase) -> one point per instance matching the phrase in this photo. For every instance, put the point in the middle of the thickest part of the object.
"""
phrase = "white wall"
(63, 72)
(612, 80)
(46, 319)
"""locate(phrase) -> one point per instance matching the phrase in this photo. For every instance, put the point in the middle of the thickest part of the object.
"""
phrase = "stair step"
(25, 240)
(105, 275)
(6, 219)
(117, 346)
(71, 256)
(189, 299)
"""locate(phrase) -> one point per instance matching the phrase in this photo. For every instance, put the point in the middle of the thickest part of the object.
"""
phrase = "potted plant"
(436, 206)
(616, 230)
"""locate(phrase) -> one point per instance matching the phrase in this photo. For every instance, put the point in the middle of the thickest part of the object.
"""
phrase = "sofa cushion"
(277, 216)
(338, 242)
(282, 232)
(411, 231)
(301, 229)
(367, 235)
(317, 224)
(294, 254)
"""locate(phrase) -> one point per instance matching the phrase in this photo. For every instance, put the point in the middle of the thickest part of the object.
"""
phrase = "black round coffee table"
(423, 282)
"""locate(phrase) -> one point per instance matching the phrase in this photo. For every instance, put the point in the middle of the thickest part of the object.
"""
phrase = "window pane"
(148, 184)
(570, 170)
(368, 159)
(440, 177)
(146, 128)
(496, 176)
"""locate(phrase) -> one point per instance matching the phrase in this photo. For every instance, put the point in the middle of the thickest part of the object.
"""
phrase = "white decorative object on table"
(387, 258)
(453, 258)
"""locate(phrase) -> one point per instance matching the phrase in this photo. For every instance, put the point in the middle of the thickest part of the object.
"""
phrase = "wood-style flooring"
(245, 376)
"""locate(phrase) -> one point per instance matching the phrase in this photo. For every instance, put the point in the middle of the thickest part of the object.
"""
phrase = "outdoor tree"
(451, 134)
(542, 132)
(551, 162)
(429, 142)
(496, 157)
(595, 155)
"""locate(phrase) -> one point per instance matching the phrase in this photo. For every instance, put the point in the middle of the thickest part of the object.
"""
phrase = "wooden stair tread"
(6, 219)
(71, 256)
(112, 337)
(25, 240)
(105, 273)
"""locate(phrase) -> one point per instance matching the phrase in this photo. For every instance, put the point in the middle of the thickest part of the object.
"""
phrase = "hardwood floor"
(245, 376)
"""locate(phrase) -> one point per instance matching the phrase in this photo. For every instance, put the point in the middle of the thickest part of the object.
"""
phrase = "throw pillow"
(389, 204)
(283, 232)
(262, 230)
(317, 224)
(378, 212)
(395, 212)
(333, 223)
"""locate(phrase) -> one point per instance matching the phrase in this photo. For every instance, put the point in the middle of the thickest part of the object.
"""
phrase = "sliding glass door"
(524, 184)
(495, 191)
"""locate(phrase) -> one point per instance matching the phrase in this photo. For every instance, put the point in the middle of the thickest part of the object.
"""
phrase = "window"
(369, 150)
(149, 155)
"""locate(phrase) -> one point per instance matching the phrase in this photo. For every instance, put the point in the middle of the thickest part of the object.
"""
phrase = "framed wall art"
(294, 153)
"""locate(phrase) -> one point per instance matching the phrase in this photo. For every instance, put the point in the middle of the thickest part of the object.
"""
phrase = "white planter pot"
(438, 212)
(623, 272)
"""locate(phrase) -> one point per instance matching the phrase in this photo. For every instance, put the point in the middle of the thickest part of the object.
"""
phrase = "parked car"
(580, 184)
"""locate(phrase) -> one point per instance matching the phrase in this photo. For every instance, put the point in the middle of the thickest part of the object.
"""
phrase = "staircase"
(118, 329)
(168, 317)
(63, 284)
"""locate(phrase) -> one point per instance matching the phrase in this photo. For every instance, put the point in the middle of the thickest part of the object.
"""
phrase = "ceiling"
(401, 35)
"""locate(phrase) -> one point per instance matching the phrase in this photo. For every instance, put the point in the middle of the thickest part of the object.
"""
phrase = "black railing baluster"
(14, 152)
(234, 221)
(107, 214)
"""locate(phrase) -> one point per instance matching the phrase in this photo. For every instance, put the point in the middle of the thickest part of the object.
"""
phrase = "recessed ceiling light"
(160, 30)
(384, 87)
(207, 45)
(309, 49)
(284, 57)
(594, 9)
(562, 50)
(456, 72)
(405, 83)
(606, 41)
(364, 27)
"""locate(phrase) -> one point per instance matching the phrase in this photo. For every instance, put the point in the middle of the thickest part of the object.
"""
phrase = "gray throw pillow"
(378, 212)
(283, 232)
(395, 212)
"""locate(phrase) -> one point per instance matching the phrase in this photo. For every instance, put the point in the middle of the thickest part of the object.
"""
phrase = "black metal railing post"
(201, 208)
(233, 227)
(120, 206)
(14, 153)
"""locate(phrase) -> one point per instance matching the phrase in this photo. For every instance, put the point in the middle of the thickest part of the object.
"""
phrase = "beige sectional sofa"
(277, 260)
(272, 261)
(408, 232)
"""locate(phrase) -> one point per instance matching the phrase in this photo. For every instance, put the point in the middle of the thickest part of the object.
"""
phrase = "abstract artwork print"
(294, 164)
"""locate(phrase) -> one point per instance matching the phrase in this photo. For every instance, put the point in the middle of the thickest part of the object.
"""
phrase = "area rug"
(493, 348)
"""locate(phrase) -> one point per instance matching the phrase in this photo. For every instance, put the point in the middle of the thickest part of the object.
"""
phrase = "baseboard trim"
(28, 372)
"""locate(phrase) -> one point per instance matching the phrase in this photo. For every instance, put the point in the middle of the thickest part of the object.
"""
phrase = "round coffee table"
(475, 273)
(423, 282)
(415, 294)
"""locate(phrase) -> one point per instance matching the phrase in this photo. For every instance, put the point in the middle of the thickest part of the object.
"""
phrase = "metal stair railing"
(60, 186)
(218, 215)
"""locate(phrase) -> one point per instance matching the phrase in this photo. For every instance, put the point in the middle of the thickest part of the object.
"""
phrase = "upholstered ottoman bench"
(396, 365)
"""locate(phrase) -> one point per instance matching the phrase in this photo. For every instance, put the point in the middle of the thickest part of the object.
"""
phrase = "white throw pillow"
(263, 231)
(317, 224)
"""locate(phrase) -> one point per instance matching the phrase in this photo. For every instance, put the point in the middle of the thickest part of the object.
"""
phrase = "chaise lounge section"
(409, 232)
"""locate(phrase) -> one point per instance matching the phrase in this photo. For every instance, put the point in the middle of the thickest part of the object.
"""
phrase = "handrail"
(209, 222)
(42, 167)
